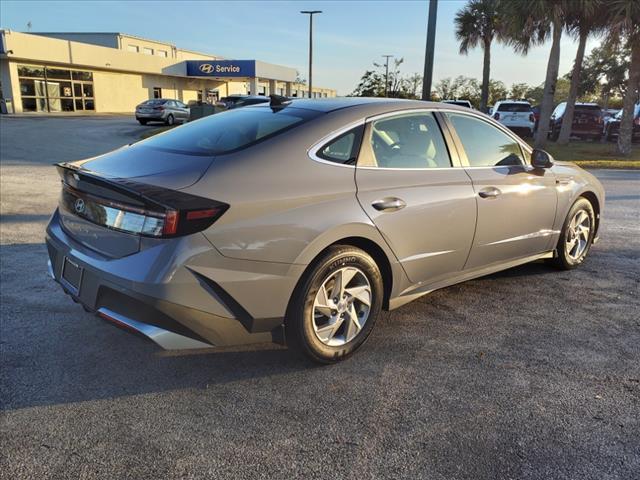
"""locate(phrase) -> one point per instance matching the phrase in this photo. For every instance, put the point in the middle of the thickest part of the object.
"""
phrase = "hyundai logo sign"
(221, 68)
(206, 68)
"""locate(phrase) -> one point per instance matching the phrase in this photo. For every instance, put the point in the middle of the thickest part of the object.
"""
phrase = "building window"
(157, 92)
(162, 53)
(53, 89)
(147, 50)
(133, 48)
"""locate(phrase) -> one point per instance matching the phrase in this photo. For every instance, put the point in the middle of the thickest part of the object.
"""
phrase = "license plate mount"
(71, 276)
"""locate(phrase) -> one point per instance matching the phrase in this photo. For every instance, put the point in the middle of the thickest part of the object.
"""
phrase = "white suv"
(515, 114)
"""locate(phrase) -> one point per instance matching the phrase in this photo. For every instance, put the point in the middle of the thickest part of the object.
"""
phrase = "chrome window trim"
(312, 151)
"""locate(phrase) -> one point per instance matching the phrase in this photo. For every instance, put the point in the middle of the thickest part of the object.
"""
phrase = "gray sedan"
(298, 221)
(163, 110)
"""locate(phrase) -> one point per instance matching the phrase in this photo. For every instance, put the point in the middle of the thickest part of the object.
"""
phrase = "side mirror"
(541, 159)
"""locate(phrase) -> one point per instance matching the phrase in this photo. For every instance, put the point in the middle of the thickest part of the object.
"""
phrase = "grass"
(593, 154)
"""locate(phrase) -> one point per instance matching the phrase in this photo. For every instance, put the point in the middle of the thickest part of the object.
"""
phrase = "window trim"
(359, 132)
(312, 152)
(450, 137)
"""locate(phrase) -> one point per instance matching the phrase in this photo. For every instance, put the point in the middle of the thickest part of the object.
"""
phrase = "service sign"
(221, 68)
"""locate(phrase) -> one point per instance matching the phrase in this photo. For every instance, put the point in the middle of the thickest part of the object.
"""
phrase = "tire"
(170, 120)
(142, 122)
(567, 252)
(322, 329)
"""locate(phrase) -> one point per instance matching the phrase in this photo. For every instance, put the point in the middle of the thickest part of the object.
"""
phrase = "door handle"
(389, 204)
(489, 192)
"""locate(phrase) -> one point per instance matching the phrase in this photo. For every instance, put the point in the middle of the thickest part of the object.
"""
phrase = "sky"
(348, 36)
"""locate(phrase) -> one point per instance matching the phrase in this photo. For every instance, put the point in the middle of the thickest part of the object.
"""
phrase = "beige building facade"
(108, 72)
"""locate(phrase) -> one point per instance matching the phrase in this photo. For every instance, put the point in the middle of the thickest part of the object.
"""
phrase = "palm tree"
(478, 23)
(532, 22)
(624, 24)
(585, 17)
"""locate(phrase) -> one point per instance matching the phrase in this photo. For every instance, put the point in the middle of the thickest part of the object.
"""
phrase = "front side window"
(230, 130)
(407, 141)
(343, 149)
(484, 144)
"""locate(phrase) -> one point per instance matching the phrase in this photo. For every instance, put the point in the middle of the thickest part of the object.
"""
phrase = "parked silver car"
(298, 221)
(163, 110)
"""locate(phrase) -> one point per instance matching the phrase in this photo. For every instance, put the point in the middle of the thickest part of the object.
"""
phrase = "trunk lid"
(109, 203)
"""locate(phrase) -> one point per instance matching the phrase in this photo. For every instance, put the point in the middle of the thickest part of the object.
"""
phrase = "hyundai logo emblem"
(206, 68)
(79, 205)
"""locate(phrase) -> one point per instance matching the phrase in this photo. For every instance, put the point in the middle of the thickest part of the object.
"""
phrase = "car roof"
(524, 102)
(339, 103)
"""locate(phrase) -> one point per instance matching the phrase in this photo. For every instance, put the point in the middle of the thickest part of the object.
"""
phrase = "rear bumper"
(181, 293)
(150, 116)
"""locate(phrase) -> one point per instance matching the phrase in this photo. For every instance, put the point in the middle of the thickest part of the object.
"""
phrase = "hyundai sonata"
(298, 221)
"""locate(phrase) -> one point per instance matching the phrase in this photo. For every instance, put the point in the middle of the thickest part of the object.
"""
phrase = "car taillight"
(496, 116)
(532, 118)
(146, 221)
(158, 108)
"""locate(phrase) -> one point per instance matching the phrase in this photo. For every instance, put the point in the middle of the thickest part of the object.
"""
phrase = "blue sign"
(221, 68)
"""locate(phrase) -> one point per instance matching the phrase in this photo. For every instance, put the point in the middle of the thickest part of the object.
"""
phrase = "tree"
(460, 87)
(519, 90)
(624, 24)
(478, 23)
(372, 82)
(532, 23)
(584, 18)
(604, 72)
(497, 91)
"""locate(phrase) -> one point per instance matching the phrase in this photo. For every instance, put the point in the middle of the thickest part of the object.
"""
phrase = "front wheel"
(335, 306)
(142, 122)
(576, 236)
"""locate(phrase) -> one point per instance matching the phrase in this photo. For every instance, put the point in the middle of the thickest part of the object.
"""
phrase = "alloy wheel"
(341, 307)
(577, 238)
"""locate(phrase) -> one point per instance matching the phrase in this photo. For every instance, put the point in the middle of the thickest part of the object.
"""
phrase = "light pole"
(386, 75)
(311, 13)
(429, 52)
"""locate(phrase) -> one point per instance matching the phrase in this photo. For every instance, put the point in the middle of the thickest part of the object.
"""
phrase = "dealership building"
(113, 72)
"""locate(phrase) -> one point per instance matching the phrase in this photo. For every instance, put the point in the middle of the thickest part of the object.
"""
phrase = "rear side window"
(406, 141)
(230, 130)
(514, 107)
(343, 149)
(484, 144)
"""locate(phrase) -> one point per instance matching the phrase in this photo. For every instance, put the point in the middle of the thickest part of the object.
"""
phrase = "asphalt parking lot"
(527, 374)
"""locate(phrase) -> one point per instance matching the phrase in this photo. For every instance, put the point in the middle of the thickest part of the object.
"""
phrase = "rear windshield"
(589, 108)
(514, 107)
(154, 102)
(230, 130)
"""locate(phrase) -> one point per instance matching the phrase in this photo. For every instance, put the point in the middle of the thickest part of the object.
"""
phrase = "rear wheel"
(335, 306)
(576, 236)
(142, 122)
(170, 120)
